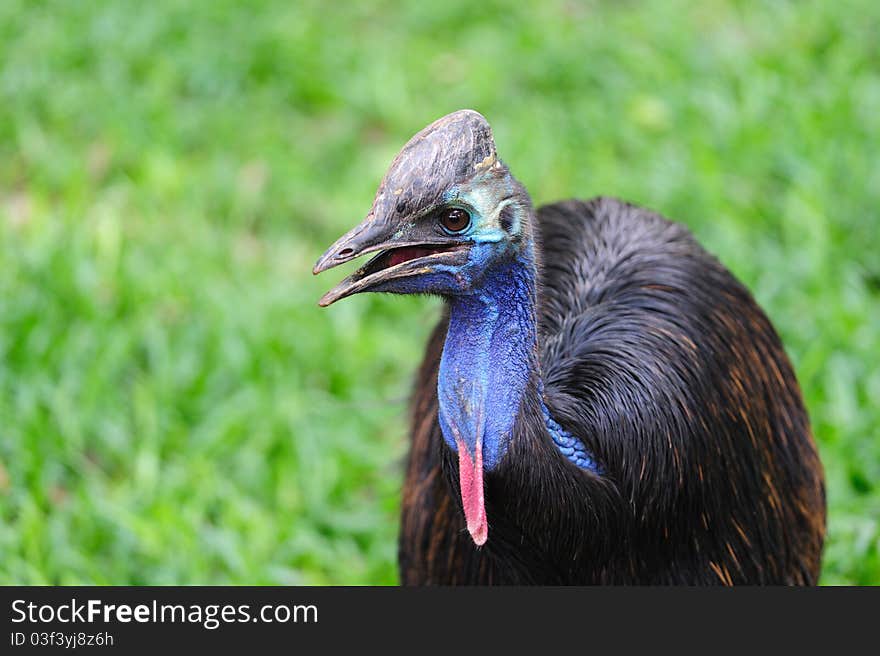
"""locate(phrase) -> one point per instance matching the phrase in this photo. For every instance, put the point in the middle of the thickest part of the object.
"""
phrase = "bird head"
(447, 218)
(446, 210)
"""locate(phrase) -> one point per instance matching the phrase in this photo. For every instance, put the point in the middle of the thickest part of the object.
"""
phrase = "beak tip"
(320, 265)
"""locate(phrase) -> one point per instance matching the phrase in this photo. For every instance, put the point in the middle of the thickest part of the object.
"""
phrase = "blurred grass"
(175, 409)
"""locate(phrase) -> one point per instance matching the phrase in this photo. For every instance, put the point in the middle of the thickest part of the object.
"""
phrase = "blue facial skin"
(489, 351)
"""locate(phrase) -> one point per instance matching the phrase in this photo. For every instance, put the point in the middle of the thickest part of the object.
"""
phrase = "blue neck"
(488, 358)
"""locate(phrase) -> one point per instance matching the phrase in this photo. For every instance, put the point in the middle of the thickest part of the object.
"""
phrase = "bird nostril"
(345, 252)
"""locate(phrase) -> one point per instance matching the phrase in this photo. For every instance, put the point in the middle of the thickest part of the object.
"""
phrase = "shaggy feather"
(661, 362)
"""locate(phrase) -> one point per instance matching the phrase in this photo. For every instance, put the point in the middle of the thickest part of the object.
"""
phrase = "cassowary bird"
(602, 401)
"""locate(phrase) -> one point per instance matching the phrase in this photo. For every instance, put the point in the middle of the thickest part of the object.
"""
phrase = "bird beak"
(399, 257)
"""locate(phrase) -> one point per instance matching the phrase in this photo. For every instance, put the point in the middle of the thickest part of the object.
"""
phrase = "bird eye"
(455, 220)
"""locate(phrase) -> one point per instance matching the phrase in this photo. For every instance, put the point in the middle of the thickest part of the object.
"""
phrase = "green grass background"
(175, 408)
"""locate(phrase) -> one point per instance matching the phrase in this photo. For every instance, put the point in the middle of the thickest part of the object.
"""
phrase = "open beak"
(398, 257)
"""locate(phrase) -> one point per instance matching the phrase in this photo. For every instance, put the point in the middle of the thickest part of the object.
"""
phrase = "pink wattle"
(470, 480)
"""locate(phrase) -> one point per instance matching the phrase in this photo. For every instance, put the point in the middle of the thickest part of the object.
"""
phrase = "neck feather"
(489, 359)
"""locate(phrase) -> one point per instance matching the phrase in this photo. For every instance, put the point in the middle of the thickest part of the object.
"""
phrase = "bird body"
(602, 401)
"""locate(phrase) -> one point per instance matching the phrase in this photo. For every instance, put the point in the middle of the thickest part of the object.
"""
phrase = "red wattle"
(470, 481)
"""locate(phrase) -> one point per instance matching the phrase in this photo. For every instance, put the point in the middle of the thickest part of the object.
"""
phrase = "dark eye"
(455, 220)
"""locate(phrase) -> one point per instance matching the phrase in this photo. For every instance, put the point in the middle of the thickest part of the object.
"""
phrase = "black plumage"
(592, 327)
(663, 364)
